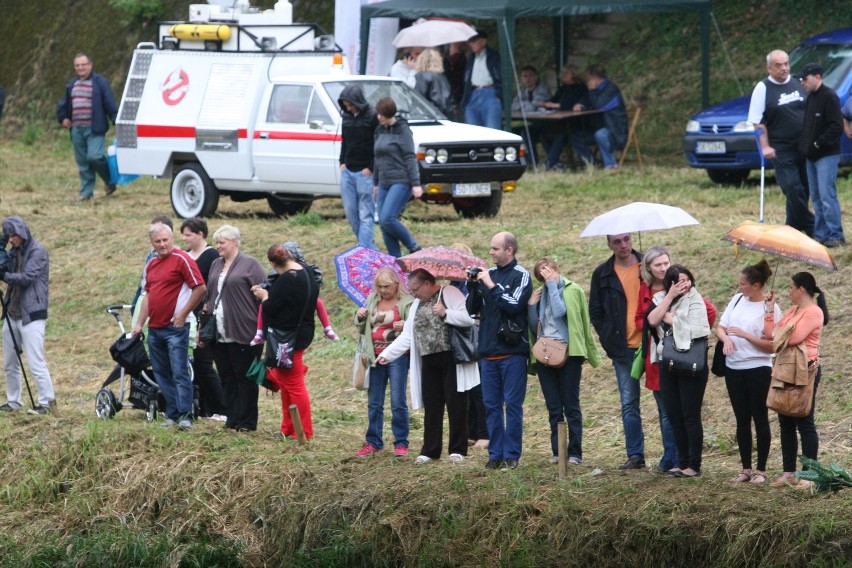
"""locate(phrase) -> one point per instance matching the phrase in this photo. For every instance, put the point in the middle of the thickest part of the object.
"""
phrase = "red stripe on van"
(156, 131)
(324, 137)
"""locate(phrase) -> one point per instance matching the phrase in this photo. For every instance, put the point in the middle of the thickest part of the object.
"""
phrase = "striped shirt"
(81, 102)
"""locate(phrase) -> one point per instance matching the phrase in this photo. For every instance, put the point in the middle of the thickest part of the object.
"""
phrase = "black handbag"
(509, 332)
(129, 352)
(692, 360)
(718, 367)
(464, 341)
(207, 332)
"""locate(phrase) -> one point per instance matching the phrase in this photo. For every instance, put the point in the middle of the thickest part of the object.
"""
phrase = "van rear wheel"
(287, 207)
(193, 192)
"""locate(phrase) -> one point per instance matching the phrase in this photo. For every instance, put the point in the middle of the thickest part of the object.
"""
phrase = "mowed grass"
(78, 491)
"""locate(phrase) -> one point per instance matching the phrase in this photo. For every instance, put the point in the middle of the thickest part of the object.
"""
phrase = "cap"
(479, 35)
(811, 69)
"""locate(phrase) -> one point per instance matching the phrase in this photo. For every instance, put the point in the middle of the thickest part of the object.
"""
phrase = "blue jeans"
(670, 458)
(792, 177)
(169, 351)
(822, 178)
(397, 372)
(581, 141)
(631, 417)
(561, 390)
(391, 203)
(90, 156)
(504, 381)
(356, 189)
(484, 109)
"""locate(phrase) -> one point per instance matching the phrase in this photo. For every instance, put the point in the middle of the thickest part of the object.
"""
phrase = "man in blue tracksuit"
(86, 111)
(500, 296)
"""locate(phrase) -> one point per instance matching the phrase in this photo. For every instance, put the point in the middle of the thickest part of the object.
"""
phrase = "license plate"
(715, 147)
(471, 189)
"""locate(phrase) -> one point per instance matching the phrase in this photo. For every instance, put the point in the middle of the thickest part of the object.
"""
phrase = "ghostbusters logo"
(175, 87)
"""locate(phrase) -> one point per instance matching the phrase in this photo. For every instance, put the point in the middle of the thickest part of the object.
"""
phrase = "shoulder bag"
(280, 343)
(129, 352)
(207, 330)
(464, 340)
(794, 400)
(718, 367)
(692, 360)
(550, 352)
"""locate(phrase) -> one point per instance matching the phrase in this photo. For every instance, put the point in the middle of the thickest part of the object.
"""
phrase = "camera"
(5, 259)
(473, 272)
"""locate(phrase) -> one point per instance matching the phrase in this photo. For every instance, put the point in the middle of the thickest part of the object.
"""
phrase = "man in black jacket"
(482, 101)
(820, 144)
(356, 163)
(500, 295)
(613, 299)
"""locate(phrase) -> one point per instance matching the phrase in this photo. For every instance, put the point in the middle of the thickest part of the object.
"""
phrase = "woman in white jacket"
(436, 380)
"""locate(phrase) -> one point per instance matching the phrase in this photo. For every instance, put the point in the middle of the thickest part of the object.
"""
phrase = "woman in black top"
(289, 304)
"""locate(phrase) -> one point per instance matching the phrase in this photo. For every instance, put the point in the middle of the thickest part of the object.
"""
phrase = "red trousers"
(293, 391)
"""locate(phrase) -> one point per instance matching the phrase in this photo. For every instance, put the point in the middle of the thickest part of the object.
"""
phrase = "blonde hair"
(462, 247)
(429, 60)
(227, 232)
(386, 277)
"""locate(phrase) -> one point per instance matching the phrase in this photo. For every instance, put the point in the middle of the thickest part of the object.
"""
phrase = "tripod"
(18, 348)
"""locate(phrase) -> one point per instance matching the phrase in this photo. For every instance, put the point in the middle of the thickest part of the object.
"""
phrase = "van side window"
(318, 112)
(289, 103)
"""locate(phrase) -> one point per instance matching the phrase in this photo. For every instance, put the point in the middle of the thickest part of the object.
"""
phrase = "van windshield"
(836, 59)
(409, 103)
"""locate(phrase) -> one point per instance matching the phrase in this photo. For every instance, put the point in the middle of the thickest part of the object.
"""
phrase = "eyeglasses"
(414, 290)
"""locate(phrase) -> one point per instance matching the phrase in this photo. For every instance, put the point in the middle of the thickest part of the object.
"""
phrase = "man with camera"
(25, 270)
(500, 297)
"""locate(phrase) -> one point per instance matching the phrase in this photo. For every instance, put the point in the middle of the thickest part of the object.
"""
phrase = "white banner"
(381, 53)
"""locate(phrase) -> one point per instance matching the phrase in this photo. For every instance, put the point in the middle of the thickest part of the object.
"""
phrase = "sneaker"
(258, 338)
(329, 333)
(185, 424)
(633, 462)
(554, 459)
(493, 464)
(509, 464)
(400, 451)
(38, 410)
(456, 458)
(420, 460)
(109, 189)
(8, 408)
(574, 460)
(366, 450)
(169, 423)
(834, 243)
(219, 418)
(83, 198)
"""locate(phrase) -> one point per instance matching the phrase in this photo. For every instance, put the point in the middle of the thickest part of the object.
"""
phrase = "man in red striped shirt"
(86, 110)
(173, 286)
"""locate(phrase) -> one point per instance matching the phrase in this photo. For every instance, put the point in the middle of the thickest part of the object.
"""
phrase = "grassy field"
(77, 491)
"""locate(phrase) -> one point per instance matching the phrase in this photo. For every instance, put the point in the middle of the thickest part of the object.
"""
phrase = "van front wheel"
(193, 192)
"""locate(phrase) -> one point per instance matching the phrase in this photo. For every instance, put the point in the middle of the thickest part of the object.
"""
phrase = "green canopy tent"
(506, 12)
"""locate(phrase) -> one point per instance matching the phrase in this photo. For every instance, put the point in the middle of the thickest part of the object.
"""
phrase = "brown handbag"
(550, 352)
(791, 399)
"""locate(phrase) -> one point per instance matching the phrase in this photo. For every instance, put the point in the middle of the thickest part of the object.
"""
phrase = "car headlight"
(499, 154)
(744, 126)
(693, 126)
(511, 154)
(430, 156)
(443, 156)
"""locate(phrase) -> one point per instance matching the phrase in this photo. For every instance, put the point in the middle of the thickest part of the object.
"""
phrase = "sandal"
(742, 478)
(758, 477)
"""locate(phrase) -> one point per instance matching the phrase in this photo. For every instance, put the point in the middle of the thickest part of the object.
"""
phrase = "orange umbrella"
(781, 240)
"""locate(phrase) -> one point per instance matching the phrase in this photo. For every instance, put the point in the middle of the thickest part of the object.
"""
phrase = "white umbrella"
(431, 33)
(638, 216)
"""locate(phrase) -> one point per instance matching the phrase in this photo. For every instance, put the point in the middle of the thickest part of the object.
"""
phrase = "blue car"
(721, 140)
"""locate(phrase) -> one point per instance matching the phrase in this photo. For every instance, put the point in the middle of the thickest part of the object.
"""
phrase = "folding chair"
(633, 115)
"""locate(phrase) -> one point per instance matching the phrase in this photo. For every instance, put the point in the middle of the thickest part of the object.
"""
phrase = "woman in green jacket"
(561, 309)
(379, 323)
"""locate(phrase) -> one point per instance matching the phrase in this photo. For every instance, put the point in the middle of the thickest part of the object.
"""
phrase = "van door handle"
(218, 145)
(264, 135)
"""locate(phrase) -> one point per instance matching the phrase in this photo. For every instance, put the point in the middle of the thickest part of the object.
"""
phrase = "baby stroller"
(134, 369)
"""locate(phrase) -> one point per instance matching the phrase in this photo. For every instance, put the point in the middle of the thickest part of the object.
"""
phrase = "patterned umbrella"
(356, 269)
(444, 263)
(780, 240)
